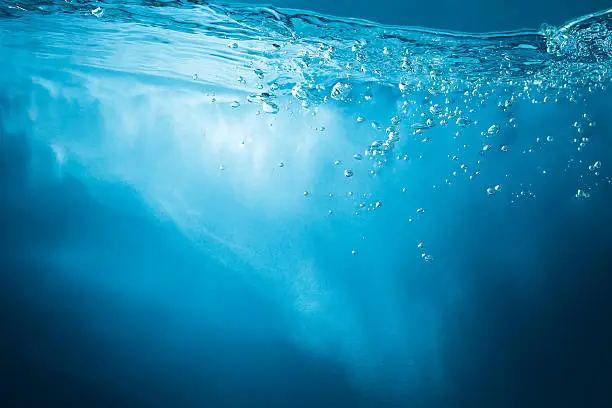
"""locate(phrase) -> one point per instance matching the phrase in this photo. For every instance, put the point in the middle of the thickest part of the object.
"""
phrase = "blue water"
(222, 205)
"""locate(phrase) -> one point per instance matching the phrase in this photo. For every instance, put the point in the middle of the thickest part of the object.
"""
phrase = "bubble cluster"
(416, 108)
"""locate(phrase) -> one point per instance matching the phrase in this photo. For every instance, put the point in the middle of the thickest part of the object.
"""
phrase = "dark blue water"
(243, 206)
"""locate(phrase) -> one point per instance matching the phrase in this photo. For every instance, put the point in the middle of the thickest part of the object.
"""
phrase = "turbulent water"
(328, 162)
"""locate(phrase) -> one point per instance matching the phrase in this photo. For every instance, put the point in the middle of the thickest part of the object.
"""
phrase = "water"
(200, 198)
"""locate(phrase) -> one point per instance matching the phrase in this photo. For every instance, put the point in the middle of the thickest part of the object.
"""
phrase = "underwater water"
(221, 205)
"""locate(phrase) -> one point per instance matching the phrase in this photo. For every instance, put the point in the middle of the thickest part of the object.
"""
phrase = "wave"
(291, 46)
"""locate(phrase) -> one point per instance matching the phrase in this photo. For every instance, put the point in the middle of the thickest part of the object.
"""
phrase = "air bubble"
(348, 173)
(550, 138)
(97, 12)
(493, 129)
(581, 193)
(235, 104)
(357, 156)
(270, 108)
(463, 121)
(435, 109)
(340, 91)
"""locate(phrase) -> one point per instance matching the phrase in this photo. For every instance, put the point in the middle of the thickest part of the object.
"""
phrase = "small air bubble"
(360, 119)
(493, 129)
(270, 108)
(306, 193)
(235, 104)
(550, 138)
(463, 121)
(233, 45)
(504, 148)
(195, 77)
(428, 258)
(348, 173)
(340, 91)
(221, 167)
(354, 252)
(582, 194)
(357, 156)
(97, 12)
(420, 245)
(420, 211)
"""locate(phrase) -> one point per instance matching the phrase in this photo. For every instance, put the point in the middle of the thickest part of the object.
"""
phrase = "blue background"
(103, 306)
(466, 16)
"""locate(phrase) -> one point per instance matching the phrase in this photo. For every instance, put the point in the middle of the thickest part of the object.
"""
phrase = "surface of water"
(225, 205)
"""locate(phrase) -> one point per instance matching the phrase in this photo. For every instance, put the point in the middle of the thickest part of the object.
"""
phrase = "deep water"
(212, 205)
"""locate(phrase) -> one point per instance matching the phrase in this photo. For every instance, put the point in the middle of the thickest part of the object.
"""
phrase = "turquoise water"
(218, 205)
